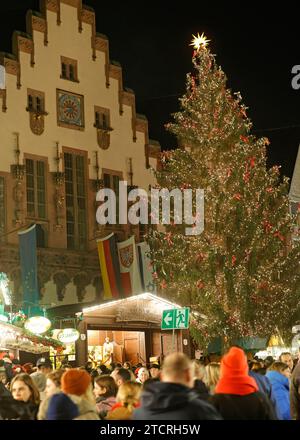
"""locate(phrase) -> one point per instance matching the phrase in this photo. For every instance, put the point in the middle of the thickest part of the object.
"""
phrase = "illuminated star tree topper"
(199, 41)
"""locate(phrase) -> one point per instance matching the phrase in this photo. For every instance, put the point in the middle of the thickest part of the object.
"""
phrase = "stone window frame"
(102, 113)
(84, 154)
(35, 98)
(36, 158)
(69, 62)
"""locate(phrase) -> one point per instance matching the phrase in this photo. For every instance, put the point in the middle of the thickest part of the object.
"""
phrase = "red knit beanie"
(234, 363)
(75, 381)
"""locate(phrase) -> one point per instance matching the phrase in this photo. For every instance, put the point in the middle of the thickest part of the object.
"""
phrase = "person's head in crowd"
(199, 369)
(53, 384)
(286, 358)
(120, 376)
(127, 365)
(88, 366)
(24, 389)
(17, 367)
(61, 407)
(280, 367)
(129, 394)
(6, 358)
(77, 382)
(255, 365)
(143, 375)
(212, 376)
(28, 368)
(2, 372)
(177, 368)
(102, 369)
(154, 370)
(268, 361)
(105, 386)
(44, 365)
(94, 374)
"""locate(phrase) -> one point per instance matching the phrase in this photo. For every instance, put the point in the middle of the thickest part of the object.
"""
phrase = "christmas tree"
(241, 275)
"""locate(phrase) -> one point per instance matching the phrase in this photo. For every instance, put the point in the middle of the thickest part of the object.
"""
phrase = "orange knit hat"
(75, 381)
(234, 363)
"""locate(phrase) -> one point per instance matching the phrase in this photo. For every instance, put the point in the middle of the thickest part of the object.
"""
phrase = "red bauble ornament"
(200, 284)
(237, 196)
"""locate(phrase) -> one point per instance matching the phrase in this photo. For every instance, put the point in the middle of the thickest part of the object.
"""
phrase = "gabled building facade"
(67, 128)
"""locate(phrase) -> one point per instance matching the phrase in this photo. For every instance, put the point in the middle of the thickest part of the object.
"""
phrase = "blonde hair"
(199, 370)
(212, 375)
(129, 394)
(55, 377)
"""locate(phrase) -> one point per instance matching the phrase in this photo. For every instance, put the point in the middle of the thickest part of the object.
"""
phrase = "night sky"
(257, 49)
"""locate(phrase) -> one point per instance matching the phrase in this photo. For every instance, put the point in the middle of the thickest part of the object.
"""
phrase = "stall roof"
(142, 307)
(13, 337)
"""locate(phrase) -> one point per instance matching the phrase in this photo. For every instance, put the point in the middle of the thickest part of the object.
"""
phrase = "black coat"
(11, 409)
(254, 406)
(170, 401)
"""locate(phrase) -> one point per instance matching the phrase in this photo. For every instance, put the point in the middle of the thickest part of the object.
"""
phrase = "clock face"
(70, 109)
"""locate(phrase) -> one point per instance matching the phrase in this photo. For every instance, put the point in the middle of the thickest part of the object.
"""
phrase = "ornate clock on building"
(70, 111)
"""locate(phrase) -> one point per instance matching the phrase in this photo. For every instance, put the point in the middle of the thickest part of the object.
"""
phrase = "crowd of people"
(180, 389)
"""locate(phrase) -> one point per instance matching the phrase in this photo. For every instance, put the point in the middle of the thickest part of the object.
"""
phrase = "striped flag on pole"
(110, 268)
(130, 275)
(146, 268)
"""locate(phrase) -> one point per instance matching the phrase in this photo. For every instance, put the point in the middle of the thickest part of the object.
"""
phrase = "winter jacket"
(171, 401)
(11, 409)
(87, 410)
(295, 393)
(201, 389)
(105, 405)
(281, 389)
(265, 387)
(253, 406)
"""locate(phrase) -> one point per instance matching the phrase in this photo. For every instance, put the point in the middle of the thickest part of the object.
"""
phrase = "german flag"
(110, 267)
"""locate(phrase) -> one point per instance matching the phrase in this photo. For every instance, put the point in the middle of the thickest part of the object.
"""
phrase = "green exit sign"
(175, 319)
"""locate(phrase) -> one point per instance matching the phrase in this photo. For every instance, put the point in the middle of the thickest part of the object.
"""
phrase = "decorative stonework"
(36, 23)
(50, 262)
(128, 98)
(59, 199)
(61, 279)
(3, 97)
(101, 43)
(103, 138)
(18, 172)
(37, 123)
(81, 281)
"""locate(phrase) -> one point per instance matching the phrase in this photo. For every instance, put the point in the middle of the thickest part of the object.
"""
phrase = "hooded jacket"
(281, 390)
(171, 401)
(236, 395)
